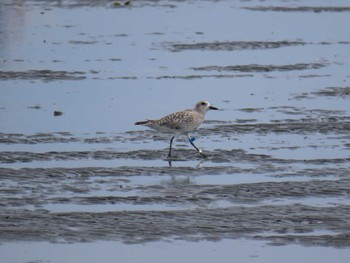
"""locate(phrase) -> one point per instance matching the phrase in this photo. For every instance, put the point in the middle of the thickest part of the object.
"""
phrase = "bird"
(181, 123)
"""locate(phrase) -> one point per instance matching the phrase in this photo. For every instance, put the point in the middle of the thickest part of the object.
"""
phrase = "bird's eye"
(203, 103)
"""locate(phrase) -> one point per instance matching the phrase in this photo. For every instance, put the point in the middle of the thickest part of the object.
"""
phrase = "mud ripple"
(328, 125)
(56, 137)
(216, 156)
(263, 68)
(315, 121)
(45, 75)
(194, 225)
(334, 92)
(218, 76)
(277, 169)
(314, 9)
(75, 192)
(339, 92)
(28, 193)
(233, 45)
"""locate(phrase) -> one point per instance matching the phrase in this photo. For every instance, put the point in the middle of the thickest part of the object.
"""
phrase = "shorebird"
(181, 123)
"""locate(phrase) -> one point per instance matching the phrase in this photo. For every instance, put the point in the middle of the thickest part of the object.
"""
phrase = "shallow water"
(76, 75)
(205, 251)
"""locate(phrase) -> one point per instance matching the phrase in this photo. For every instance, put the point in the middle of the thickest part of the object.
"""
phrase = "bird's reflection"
(170, 162)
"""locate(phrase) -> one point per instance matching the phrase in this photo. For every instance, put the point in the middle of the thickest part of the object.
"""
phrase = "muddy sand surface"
(74, 170)
(285, 201)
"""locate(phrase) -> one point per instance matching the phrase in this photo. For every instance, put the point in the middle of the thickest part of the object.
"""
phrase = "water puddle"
(205, 251)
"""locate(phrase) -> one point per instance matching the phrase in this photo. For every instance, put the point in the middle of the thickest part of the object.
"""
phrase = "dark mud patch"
(78, 186)
(36, 107)
(44, 75)
(193, 225)
(314, 9)
(216, 156)
(232, 45)
(81, 42)
(263, 68)
(64, 4)
(25, 157)
(331, 125)
(93, 3)
(217, 76)
(250, 110)
(337, 92)
(317, 169)
(309, 76)
(334, 92)
(38, 138)
(58, 137)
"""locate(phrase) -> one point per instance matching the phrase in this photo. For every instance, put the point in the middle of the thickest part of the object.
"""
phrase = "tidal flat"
(81, 183)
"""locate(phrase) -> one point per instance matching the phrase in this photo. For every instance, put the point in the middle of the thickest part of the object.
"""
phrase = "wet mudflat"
(276, 177)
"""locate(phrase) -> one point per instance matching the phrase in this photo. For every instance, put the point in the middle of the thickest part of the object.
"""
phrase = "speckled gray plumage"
(178, 122)
(181, 122)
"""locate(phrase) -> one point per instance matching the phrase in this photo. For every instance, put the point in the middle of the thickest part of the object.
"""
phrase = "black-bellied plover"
(182, 122)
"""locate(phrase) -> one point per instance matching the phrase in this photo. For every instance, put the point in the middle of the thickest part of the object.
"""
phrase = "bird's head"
(203, 106)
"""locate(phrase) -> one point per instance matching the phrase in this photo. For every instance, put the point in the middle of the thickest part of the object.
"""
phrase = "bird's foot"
(202, 154)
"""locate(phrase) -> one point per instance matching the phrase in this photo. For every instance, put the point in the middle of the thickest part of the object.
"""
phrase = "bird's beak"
(212, 108)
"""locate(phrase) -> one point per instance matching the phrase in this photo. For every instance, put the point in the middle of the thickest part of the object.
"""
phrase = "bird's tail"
(142, 122)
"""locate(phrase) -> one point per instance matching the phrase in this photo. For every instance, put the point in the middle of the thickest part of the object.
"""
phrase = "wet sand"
(75, 171)
(292, 201)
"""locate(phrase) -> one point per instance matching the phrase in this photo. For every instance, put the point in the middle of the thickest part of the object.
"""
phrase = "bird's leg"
(171, 143)
(191, 140)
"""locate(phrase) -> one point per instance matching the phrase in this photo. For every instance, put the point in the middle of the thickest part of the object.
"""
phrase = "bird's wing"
(178, 120)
